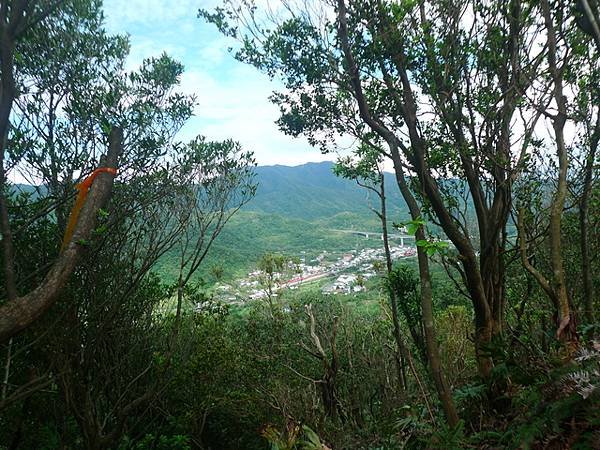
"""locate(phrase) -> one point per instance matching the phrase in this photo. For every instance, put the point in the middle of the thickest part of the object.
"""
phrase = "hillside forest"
(436, 287)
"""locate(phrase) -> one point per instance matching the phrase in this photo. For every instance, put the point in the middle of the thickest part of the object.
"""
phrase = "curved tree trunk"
(390, 138)
(565, 327)
(20, 312)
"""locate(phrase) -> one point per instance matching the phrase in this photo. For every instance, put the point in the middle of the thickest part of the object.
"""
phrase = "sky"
(232, 96)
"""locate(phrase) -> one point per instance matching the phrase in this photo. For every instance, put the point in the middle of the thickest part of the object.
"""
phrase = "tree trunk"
(328, 394)
(586, 265)
(390, 138)
(400, 346)
(7, 96)
(433, 351)
(20, 312)
(493, 274)
(565, 326)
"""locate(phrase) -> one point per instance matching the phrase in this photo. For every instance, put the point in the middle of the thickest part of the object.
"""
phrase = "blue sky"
(232, 97)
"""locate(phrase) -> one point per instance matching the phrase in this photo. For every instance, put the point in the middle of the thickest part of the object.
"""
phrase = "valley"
(299, 211)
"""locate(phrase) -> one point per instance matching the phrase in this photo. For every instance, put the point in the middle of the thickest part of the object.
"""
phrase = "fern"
(447, 438)
(470, 392)
(585, 380)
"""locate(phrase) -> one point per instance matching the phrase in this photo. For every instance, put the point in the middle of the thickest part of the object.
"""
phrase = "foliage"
(453, 325)
(137, 352)
(294, 439)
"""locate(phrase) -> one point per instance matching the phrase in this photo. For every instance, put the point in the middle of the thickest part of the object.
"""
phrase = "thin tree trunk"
(7, 96)
(7, 369)
(390, 138)
(401, 347)
(180, 288)
(584, 209)
(433, 351)
(565, 327)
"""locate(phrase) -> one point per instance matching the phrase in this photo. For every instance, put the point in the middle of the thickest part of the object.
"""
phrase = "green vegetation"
(250, 234)
(312, 192)
(296, 211)
(118, 328)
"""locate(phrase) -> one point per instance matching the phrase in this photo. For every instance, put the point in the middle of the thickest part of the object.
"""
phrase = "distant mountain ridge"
(312, 192)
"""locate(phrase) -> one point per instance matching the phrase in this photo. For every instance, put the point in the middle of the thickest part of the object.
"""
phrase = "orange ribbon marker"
(83, 188)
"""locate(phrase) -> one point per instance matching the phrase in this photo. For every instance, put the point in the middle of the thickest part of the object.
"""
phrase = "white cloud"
(233, 98)
(238, 108)
(122, 14)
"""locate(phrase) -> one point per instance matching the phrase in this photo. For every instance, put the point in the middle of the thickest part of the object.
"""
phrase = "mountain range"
(312, 192)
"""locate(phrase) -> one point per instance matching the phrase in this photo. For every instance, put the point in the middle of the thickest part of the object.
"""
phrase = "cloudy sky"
(232, 96)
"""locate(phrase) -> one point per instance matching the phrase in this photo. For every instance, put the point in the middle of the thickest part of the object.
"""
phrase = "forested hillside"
(295, 209)
(437, 286)
(312, 192)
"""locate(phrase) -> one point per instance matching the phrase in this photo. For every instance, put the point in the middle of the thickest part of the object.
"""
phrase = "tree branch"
(19, 313)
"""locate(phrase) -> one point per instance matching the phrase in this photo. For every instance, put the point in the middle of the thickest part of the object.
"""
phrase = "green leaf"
(411, 228)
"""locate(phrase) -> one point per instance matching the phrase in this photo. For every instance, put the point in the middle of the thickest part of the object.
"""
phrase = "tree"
(563, 50)
(367, 174)
(328, 381)
(583, 71)
(217, 272)
(483, 276)
(587, 18)
(106, 343)
(272, 266)
(20, 311)
(62, 118)
(217, 178)
(443, 89)
(17, 19)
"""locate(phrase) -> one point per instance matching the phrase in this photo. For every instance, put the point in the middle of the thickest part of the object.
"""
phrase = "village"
(342, 273)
